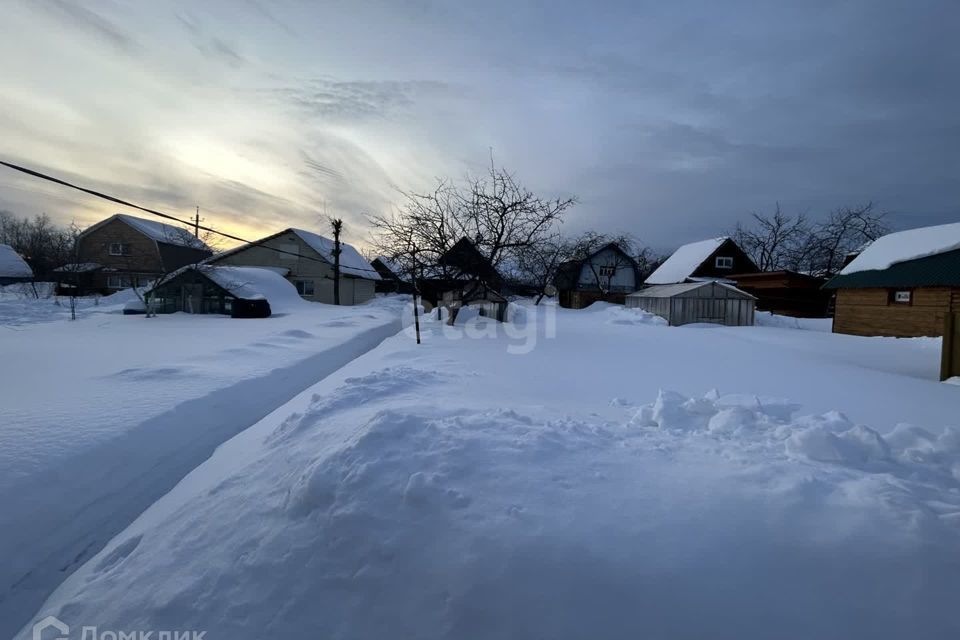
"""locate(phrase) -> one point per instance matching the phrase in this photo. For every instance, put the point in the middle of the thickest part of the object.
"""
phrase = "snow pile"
(12, 265)
(901, 246)
(684, 261)
(768, 319)
(622, 315)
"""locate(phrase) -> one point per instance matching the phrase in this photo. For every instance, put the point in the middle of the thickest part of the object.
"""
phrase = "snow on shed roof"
(12, 265)
(351, 262)
(903, 246)
(156, 231)
(684, 261)
(671, 290)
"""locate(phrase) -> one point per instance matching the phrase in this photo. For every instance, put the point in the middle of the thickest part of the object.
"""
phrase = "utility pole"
(337, 224)
(196, 223)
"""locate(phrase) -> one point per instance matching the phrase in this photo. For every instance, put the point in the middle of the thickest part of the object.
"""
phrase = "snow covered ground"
(102, 416)
(621, 479)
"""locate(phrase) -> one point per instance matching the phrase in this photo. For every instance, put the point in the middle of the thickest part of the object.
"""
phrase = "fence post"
(947, 347)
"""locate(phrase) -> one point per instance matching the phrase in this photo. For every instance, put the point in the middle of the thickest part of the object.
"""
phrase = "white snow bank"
(901, 246)
(102, 416)
(446, 490)
(684, 261)
(768, 319)
(12, 265)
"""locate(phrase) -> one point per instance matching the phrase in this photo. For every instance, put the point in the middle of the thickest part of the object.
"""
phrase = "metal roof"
(672, 290)
(941, 270)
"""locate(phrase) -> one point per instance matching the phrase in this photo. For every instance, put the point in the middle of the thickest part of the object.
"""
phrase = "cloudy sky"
(668, 120)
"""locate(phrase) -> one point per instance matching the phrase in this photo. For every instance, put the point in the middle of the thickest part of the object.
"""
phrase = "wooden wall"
(869, 312)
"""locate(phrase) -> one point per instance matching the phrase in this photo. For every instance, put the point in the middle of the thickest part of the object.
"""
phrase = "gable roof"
(156, 231)
(679, 289)
(465, 256)
(351, 262)
(902, 246)
(12, 265)
(938, 270)
(685, 261)
(568, 272)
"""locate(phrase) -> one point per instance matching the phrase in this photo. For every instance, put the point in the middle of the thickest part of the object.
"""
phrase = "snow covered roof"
(351, 262)
(671, 290)
(246, 283)
(684, 261)
(903, 246)
(156, 231)
(12, 265)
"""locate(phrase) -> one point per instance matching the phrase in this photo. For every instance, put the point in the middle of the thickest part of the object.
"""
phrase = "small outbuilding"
(787, 293)
(240, 292)
(905, 284)
(689, 302)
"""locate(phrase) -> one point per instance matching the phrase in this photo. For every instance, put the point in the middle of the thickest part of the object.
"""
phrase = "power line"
(192, 223)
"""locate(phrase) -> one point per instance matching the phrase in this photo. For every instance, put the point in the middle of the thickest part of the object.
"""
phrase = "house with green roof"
(904, 284)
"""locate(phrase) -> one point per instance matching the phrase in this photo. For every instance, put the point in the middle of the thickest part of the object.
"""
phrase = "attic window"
(119, 249)
(724, 262)
(901, 297)
(607, 272)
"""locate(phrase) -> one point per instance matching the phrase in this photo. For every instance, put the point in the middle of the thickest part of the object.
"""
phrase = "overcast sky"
(668, 120)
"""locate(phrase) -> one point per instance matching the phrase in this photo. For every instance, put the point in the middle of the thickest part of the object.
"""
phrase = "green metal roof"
(941, 270)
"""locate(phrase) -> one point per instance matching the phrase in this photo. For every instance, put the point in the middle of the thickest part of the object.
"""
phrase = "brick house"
(124, 251)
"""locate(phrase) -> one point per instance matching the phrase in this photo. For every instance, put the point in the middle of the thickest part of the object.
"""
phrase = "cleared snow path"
(127, 407)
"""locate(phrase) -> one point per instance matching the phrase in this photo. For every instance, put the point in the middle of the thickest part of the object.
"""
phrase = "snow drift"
(387, 502)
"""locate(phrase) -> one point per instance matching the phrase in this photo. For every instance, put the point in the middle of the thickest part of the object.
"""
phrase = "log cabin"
(904, 284)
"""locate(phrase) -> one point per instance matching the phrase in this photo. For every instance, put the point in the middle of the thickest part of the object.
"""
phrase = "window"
(119, 282)
(724, 262)
(304, 287)
(607, 272)
(901, 297)
(119, 249)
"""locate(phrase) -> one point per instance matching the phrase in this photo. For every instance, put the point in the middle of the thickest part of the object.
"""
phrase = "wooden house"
(461, 265)
(607, 274)
(306, 260)
(786, 293)
(13, 268)
(125, 251)
(689, 302)
(904, 284)
(714, 259)
(393, 278)
(240, 292)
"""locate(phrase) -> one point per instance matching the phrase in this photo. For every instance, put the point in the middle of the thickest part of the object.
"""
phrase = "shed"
(904, 284)
(787, 293)
(689, 302)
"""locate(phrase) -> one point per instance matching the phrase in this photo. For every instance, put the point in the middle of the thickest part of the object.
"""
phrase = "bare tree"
(774, 242)
(845, 231)
(500, 216)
